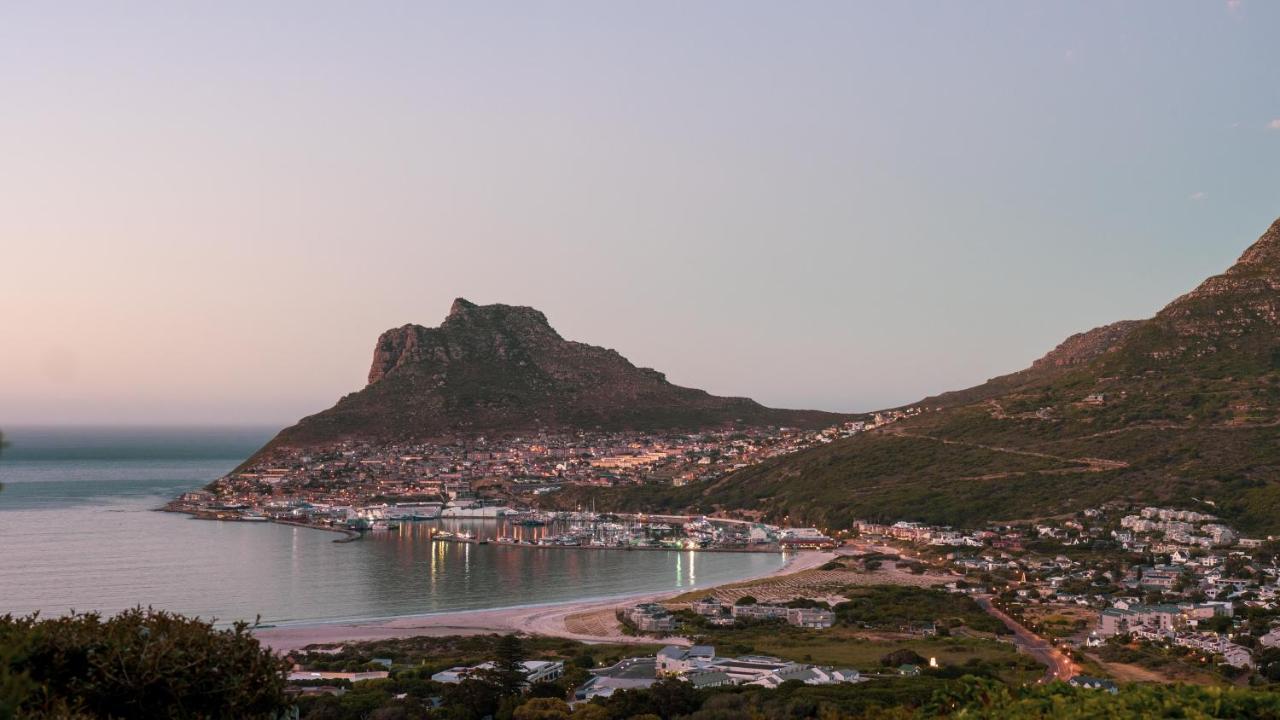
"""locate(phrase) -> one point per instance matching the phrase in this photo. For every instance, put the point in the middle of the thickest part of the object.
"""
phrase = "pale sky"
(209, 211)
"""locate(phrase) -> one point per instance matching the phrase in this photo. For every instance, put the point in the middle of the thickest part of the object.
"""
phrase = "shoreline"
(538, 619)
(353, 535)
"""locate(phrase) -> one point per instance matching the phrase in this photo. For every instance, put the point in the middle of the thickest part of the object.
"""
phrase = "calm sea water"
(78, 531)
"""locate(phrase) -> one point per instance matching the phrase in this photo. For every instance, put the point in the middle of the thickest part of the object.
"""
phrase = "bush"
(902, 657)
(140, 663)
(542, 709)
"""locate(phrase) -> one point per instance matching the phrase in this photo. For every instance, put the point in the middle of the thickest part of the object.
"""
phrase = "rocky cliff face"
(503, 368)
(1085, 347)
(1229, 323)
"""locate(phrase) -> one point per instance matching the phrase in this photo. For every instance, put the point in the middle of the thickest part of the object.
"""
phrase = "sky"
(209, 211)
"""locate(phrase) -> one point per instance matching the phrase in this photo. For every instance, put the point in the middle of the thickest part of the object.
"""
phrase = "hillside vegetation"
(1181, 409)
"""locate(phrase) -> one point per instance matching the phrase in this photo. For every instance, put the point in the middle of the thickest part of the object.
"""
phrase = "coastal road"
(1058, 666)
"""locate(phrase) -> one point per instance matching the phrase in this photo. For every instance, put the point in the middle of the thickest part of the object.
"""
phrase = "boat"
(414, 511)
(473, 509)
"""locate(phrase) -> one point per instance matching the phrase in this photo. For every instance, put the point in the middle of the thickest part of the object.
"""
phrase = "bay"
(79, 530)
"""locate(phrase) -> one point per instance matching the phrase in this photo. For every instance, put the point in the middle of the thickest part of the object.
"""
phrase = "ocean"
(79, 531)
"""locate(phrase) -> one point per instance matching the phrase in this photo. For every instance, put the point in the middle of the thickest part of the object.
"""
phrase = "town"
(1117, 586)
(1102, 597)
(357, 487)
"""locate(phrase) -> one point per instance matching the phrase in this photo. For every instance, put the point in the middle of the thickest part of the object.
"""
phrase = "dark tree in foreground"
(508, 666)
(140, 663)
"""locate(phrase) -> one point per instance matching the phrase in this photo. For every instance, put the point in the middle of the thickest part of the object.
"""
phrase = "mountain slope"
(503, 368)
(1182, 409)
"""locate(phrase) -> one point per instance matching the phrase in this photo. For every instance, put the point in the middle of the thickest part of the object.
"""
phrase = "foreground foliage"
(138, 664)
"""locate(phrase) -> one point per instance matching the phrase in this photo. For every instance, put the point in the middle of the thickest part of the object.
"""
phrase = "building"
(707, 607)
(651, 617)
(758, 612)
(811, 617)
(628, 674)
(1118, 620)
(349, 676)
(536, 671)
(1093, 683)
(674, 660)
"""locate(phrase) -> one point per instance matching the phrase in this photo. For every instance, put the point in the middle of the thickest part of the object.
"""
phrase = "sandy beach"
(533, 620)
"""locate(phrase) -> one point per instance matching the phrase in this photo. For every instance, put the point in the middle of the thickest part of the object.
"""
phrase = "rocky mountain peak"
(503, 368)
(517, 318)
(1264, 252)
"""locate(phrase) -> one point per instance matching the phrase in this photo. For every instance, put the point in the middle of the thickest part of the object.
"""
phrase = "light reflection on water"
(110, 552)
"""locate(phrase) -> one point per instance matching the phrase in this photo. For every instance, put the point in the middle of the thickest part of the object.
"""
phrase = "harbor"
(475, 522)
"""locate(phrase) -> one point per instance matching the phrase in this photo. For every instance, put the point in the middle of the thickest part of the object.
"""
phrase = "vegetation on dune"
(899, 606)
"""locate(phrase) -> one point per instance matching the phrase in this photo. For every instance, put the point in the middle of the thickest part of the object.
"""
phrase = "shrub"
(140, 663)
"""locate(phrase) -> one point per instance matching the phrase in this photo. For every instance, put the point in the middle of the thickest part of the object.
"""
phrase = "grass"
(850, 647)
(440, 653)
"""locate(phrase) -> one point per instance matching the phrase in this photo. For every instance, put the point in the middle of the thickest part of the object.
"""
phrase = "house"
(651, 617)
(809, 675)
(707, 607)
(1093, 683)
(759, 612)
(1271, 639)
(811, 617)
(707, 678)
(1119, 620)
(1237, 656)
(673, 659)
(349, 676)
(628, 674)
(536, 671)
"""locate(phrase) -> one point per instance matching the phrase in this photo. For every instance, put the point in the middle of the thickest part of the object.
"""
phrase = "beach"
(546, 619)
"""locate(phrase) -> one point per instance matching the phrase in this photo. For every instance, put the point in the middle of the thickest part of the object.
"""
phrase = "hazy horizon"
(210, 213)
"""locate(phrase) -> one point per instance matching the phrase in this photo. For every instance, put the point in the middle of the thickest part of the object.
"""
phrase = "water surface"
(78, 530)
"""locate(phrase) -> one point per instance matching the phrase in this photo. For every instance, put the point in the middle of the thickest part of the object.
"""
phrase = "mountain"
(1180, 409)
(503, 368)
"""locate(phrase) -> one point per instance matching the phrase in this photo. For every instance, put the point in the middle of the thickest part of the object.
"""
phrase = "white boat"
(414, 511)
(472, 509)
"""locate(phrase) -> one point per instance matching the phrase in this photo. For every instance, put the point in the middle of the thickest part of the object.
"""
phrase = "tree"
(590, 711)
(508, 672)
(902, 657)
(472, 699)
(543, 709)
(140, 663)
(745, 600)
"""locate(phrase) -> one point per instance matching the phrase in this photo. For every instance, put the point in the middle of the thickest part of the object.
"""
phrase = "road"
(1058, 666)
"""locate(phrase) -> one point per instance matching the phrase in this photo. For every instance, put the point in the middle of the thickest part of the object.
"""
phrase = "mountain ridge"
(504, 369)
(1182, 408)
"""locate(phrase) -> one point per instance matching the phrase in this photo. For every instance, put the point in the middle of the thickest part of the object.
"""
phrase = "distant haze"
(208, 212)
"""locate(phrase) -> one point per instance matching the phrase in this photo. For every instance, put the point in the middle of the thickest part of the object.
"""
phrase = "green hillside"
(1181, 409)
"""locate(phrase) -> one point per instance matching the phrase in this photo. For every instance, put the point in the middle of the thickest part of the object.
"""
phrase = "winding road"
(1058, 665)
